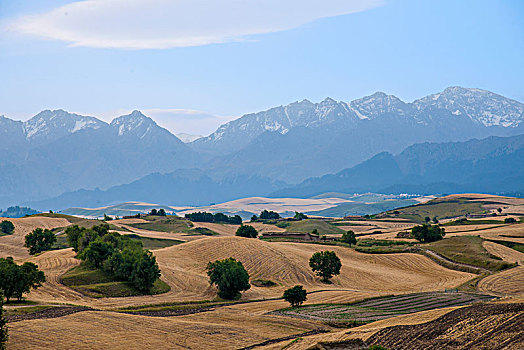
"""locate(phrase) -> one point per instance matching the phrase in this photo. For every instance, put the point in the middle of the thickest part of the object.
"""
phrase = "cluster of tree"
(269, 215)
(510, 220)
(16, 280)
(295, 296)
(123, 257)
(349, 238)
(17, 212)
(39, 240)
(247, 231)
(428, 233)
(229, 276)
(7, 227)
(159, 212)
(325, 264)
(217, 218)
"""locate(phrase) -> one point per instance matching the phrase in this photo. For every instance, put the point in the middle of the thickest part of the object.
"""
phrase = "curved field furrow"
(505, 253)
(13, 245)
(508, 282)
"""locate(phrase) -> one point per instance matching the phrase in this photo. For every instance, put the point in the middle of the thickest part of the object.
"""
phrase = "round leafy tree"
(428, 233)
(295, 296)
(39, 240)
(247, 231)
(229, 276)
(349, 238)
(325, 264)
(7, 227)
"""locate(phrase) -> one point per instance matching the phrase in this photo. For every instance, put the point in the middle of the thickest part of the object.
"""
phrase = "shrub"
(300, 216)
(247, 231)
(7, 227)
(509, 220)
(39, 240)
(295, 296)
(349, 238)
(427, 233)
(229, 276)
(325, 264)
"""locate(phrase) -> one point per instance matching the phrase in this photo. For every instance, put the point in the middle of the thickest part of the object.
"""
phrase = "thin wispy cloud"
(161, 24)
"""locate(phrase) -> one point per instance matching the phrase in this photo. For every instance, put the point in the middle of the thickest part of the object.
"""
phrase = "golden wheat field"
(183, 268)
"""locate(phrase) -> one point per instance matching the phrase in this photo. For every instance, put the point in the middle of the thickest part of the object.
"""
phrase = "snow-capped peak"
(135, 123)
(49, 125)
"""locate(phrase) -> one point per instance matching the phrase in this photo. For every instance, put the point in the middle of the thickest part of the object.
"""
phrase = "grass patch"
(25, 310)
(309, 225)
(442, 208)
(465, 221)
(155, 243)
(382, 246)
(172, 224)
(100, 284)
(263, 283)
(467, 250)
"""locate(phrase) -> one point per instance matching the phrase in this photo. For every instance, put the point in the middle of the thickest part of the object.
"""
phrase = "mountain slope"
(56, 152)
(304, 139)
(488, 165)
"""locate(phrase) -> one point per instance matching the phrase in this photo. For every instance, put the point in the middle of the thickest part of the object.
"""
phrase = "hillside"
(486, 165)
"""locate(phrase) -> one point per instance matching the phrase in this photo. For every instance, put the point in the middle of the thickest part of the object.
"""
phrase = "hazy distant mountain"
(182, 187)
(305, 139)
(187, 138)
(490, 165)
(56, 151)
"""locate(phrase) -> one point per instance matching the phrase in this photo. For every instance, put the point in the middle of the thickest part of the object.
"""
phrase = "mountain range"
(56, 153)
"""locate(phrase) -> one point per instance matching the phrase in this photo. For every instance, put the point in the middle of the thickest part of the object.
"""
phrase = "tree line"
(203, 216)
(119, 255)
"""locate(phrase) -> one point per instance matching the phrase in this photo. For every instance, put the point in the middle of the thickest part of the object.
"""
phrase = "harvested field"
(104, 330)
(505, 253)
(484, 326)
(13, 245)
(383, 307)
(509, 282)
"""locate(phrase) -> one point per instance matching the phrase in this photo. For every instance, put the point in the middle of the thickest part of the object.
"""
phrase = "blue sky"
(197, 64)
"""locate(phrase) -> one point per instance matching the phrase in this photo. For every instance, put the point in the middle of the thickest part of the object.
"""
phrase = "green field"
(172, 224)
(99, 284)
(383, 307)
(308, 225)
(467, 250)
(147, 242)
(441, 208)
(381, 246)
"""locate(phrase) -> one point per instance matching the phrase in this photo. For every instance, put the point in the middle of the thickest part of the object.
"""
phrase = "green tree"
(161, 212)
(229, 276)
(145, 271)
(349, 238)
(435, 220)
(30, 277)
(39, 240)
(314, 232)
(295, 296)
(269, 215)
(153, 212)
(254, 218)
(427, 219)
(325, 264)
(510, 220)
(15, 280)
(73, 234)
(4, 335)
(428, 233)
(107, 218)
(247, 231)
(7, 227)
(499, 210)
(300, 216)
(96, 252)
